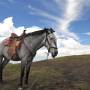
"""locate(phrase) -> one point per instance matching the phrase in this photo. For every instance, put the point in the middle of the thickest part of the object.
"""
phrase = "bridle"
(46, 40)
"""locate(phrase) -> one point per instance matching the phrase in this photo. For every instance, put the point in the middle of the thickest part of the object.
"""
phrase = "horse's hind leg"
(2, 65)
(1, 59)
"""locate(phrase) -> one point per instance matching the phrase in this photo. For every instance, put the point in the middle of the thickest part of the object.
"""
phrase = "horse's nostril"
(56, 52)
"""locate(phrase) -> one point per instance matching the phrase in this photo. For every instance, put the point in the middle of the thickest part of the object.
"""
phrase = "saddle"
(14, 42)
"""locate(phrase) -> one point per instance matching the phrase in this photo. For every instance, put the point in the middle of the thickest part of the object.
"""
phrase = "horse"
(27, 51)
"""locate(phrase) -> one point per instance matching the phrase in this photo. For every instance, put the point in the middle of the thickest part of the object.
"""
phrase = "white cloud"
(19, 30)
(68, 46)
(33, 28)
(6, 27)
(75, 51)
(88, 33)
(72, 10)
(43, 13)
(70, 14)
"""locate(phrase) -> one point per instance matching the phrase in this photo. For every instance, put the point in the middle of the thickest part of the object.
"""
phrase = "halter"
(46, 40)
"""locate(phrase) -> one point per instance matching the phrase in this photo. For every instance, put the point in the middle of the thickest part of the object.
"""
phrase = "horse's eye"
(52, 38)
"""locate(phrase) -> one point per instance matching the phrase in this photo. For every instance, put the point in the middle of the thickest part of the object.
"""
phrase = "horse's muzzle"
(54, 53)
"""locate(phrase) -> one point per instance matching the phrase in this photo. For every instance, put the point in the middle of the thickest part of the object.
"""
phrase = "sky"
(69, 18)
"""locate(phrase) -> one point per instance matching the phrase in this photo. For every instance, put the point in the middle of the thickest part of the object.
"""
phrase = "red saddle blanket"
(7, 41)
(13, 44)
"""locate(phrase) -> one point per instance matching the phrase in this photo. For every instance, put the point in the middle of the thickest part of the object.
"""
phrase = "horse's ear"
(45, 28)
(52, 30)
(49, 30)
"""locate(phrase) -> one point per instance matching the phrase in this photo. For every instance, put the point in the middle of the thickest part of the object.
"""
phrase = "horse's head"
(51, 42)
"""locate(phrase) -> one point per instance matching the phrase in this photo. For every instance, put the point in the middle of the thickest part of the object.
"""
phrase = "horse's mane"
(40, 32)
(35, 33)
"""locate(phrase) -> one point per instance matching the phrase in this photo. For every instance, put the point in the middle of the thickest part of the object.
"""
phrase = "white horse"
(32, 42)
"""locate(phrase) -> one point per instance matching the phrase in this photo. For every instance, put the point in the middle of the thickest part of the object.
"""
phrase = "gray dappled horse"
(32, 42)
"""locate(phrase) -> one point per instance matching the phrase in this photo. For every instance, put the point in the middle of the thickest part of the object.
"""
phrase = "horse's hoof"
(20, 88)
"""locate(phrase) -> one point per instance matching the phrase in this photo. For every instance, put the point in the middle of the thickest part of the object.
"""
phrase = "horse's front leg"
(23, 67)
(23, 63)
(28, 65)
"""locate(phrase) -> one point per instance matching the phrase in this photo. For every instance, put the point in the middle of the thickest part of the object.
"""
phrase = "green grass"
(65, 73)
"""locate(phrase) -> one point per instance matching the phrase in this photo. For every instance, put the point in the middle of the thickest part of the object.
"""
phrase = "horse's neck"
(35, 42)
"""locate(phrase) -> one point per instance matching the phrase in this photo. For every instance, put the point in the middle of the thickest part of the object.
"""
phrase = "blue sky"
(45, 13)
(69, 18)
(22, 15)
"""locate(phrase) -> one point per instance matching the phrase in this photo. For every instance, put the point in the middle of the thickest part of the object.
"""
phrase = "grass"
(66, 73)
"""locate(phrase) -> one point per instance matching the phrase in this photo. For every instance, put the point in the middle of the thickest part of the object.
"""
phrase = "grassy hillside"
(66, 73)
